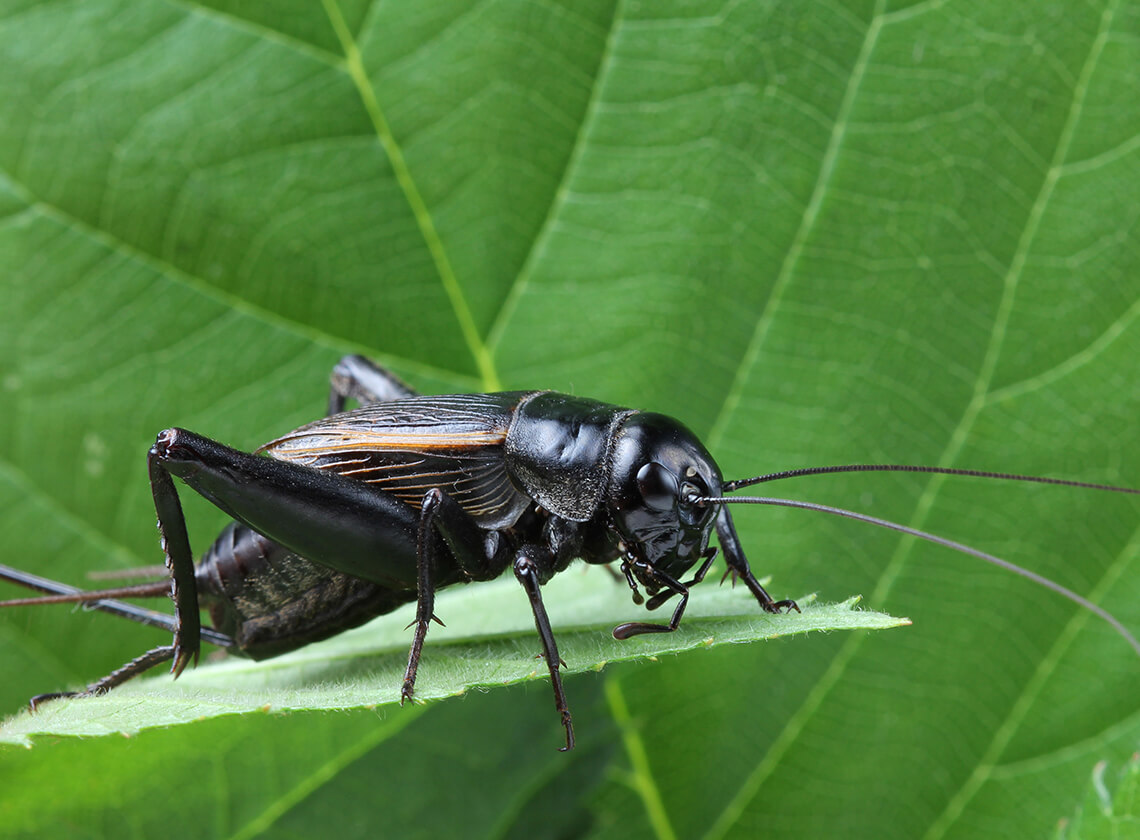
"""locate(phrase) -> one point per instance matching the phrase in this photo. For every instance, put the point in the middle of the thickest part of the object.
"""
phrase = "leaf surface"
(816, 234)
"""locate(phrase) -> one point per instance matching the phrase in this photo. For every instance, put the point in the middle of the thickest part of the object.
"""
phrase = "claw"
(34, 703)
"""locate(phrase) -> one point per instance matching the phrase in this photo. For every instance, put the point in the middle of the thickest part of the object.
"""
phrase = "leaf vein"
(808, 219)
(229, 300)
(1019, 711)
(641, 779)
(479, 350)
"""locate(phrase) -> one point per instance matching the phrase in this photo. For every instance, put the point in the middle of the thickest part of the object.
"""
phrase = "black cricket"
(356, 514)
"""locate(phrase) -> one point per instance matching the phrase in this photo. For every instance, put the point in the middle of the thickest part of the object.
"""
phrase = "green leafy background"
(1111, 808)
(817, 233)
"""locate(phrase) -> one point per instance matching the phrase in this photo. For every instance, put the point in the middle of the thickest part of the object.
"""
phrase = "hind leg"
(361, 379)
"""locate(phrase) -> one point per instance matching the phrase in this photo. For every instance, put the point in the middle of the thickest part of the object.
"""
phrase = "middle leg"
(447, 535)
(532, 567)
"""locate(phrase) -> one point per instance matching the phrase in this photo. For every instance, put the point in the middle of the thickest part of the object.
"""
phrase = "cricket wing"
(407, 447)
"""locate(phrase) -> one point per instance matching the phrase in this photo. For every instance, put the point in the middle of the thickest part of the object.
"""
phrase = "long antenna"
(934, 538)
(730, 486)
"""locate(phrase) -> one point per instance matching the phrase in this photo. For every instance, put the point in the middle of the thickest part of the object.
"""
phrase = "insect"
(362, 511)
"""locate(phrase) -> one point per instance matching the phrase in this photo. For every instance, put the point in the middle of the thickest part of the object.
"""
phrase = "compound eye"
(658, 486)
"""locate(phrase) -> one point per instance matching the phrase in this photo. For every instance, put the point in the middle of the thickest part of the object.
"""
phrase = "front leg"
(672, 586)
(738, 564)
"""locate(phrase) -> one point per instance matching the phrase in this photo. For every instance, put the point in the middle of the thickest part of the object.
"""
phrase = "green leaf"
(1105, 814)
(488, 644)
(816, 234)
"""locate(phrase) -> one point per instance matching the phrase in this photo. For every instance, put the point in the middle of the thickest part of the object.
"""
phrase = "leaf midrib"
(424, 222)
